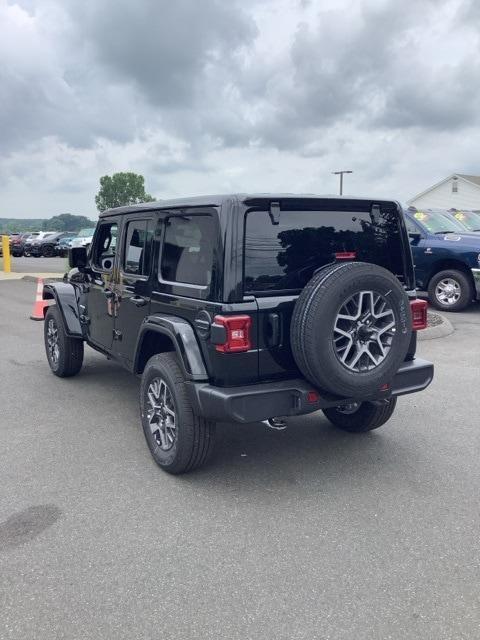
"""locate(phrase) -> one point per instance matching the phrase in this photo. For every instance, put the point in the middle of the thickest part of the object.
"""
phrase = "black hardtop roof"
(218, 200)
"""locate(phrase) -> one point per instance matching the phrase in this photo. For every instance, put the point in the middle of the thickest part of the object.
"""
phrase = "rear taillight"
(237, 333)
(418, 309)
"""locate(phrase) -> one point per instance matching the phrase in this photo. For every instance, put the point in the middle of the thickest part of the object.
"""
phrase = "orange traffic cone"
(39, 304)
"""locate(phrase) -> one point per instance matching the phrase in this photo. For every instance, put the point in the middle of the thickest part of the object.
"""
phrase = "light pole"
(340, 173)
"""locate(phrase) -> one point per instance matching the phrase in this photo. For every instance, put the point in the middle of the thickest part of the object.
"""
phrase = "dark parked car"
(64, 244)
(17, 244)
(246, 308)
(46, 246)
(447, 259)
(35, 237)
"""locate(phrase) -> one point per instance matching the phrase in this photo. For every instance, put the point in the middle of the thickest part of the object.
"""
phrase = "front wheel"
(179, 440)
(359, 417)
(450, 290)
(64, 354)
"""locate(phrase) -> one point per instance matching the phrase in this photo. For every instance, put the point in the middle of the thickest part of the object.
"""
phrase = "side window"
(103, 254)
(138, 247)
(187, 255)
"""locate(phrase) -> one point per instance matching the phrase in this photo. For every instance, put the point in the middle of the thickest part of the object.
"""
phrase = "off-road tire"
(466, 291)
(367, 417)
(195, 436)
(313, 321)
(70, 350)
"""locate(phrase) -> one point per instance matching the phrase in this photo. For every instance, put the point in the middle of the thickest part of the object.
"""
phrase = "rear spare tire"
(351, 328)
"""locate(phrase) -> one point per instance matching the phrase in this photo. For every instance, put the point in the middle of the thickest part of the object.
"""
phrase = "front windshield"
(437, 222)
(86, 233)
(469, 219)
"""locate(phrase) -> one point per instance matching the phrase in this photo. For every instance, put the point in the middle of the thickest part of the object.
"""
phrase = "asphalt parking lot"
(302, 534)
(50, 265)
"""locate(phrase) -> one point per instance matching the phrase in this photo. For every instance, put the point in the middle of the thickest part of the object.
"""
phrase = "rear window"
(285, 255)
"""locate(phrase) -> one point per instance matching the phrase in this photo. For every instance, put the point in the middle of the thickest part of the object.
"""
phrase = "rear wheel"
(450, 290)
(48, 251)
(359, 417)
(179, 440)
(64, 354)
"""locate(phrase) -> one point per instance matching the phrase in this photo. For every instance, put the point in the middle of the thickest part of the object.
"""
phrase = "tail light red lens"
(345, 255)
(237, 333)
(419, 314)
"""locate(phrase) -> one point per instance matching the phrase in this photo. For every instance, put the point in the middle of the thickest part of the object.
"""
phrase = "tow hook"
(278, 424)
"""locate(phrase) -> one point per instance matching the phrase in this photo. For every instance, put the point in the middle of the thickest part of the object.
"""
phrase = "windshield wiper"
(440, 233)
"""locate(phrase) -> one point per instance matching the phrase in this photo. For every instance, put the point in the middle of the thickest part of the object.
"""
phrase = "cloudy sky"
(209, 96)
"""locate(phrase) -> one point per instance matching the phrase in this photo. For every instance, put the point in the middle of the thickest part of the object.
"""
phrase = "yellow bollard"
(6, 254)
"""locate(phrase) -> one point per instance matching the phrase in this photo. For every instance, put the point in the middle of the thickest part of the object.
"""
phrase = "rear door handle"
(138, 301)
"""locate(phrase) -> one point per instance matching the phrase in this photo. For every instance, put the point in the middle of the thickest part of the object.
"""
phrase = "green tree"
(67, 222)
(121, 189)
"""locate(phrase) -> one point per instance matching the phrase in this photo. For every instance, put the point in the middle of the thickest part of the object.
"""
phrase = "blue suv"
(447, 258)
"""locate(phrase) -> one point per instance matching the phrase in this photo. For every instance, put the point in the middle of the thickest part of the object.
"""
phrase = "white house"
(458, 190)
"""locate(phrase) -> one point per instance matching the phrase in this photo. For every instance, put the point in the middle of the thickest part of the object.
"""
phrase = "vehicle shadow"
(309, 455)
(254, 458)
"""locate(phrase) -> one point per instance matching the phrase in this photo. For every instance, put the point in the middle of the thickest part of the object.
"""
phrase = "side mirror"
(415, 235)
(77, 258)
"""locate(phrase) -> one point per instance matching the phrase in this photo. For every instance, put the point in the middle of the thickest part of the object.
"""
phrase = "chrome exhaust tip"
(278, 424)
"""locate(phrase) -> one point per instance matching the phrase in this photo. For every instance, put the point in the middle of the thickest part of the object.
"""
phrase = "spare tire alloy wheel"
(363, 332)
(351, 329)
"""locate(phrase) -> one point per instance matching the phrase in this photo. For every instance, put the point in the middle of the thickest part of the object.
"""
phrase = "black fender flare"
(65, 297)
(183, 338)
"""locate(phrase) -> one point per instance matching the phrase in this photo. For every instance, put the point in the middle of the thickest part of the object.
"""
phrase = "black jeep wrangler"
(245, 308)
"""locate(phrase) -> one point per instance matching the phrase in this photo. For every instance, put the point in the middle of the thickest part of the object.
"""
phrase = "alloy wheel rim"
(52, 341)
(161, 414)
(448, 291)
(364, 330)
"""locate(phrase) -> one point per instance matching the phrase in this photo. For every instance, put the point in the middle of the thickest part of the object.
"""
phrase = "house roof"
(475, 180)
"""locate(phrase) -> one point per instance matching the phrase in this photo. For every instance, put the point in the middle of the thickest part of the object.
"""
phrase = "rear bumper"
(256, 402)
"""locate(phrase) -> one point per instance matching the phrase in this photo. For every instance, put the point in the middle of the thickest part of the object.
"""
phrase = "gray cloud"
(191, 88)
(163, 47)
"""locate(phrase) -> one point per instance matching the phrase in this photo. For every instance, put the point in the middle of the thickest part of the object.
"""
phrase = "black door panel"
(100, 299)
(133, 290)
